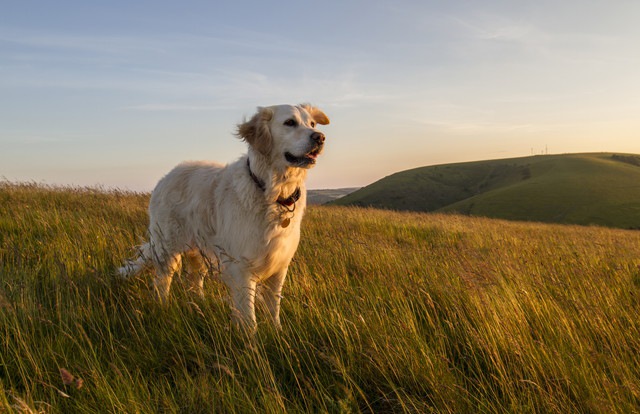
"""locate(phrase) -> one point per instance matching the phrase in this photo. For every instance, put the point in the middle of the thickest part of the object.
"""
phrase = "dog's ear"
(317, 115)
(256, 131)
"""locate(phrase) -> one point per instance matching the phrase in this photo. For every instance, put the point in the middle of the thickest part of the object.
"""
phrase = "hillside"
(382, 312)
(602, 189)
(315, 197)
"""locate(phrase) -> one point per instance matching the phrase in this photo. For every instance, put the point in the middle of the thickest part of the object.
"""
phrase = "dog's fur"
(221, 217)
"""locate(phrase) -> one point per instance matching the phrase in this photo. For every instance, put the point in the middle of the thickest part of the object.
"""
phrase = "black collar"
(286, 202)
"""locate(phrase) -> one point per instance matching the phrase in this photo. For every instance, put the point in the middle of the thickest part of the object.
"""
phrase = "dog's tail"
(132, 267)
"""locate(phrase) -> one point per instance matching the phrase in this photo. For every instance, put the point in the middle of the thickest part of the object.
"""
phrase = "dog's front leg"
(243, 301)
(272, 295)
(242, 287)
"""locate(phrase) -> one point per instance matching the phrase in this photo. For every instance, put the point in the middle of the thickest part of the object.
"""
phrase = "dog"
(241, 220)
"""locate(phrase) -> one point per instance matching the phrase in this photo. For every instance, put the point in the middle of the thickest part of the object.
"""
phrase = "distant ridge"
(594, 188)
(326, 196)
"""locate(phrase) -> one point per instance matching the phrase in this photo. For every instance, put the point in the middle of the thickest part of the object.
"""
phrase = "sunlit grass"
(383, 312)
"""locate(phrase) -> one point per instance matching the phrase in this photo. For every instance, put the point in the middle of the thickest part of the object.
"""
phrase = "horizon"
(115, 95)
(106, 188)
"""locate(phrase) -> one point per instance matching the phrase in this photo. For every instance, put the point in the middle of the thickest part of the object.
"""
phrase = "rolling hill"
(597, 188)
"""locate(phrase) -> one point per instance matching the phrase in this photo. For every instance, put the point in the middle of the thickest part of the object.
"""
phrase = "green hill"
(602, 189)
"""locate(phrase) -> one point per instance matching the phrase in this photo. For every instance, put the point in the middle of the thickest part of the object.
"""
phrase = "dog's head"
(286, 134)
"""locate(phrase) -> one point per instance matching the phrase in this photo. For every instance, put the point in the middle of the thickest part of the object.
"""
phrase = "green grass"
(383, 312)
(602, 189)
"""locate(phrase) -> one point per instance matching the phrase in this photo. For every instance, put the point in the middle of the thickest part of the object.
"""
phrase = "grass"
(383, 312)
(582, 189)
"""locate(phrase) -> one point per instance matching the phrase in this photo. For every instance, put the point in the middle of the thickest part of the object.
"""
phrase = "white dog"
(244, 218)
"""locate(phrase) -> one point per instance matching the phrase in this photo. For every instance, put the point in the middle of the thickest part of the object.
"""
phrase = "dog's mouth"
(305, 160)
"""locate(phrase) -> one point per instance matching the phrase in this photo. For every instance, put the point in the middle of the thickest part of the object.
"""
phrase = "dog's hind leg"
(196, 271)
(165, 266)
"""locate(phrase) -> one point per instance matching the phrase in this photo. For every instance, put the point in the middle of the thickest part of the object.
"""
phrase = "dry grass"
(383, 312)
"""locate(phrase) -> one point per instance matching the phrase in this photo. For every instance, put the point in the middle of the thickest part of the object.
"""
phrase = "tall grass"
(383, 312)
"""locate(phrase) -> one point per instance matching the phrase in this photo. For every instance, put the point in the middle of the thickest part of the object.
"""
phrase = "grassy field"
(383, 312)
(600, 188)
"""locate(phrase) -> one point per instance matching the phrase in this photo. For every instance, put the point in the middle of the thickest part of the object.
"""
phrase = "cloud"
(112, 45)
(160, 107)
(242, 67)
(494, 28)
(25, 138)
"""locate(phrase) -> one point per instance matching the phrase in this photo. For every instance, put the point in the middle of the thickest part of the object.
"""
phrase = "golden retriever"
(243, 219)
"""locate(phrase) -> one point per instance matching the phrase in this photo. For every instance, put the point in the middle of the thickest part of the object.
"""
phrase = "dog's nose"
(318, 137)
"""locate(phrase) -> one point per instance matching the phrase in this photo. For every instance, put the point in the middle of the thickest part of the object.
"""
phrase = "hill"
(315, 197)
(602, 189)
(383, 312)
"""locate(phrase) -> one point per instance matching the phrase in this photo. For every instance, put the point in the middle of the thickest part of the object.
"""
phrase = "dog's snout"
(318, 137)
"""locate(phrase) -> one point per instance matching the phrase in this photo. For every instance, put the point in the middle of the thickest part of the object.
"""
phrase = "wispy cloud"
(160, 107)
(534, 39)
(114, 45)
(21, 139)
(230, 41)
(493, 27)
(182, 67)
(479, 128)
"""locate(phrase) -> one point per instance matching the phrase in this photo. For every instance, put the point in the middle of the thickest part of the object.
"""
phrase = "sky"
(116, 93)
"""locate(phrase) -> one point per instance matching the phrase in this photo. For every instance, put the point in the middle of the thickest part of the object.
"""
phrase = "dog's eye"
(313, 124)
(291, 122)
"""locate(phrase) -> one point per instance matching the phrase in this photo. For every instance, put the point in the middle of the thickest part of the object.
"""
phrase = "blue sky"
(117, 93)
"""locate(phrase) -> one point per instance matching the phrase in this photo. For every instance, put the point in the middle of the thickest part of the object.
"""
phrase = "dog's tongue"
(314, 154)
